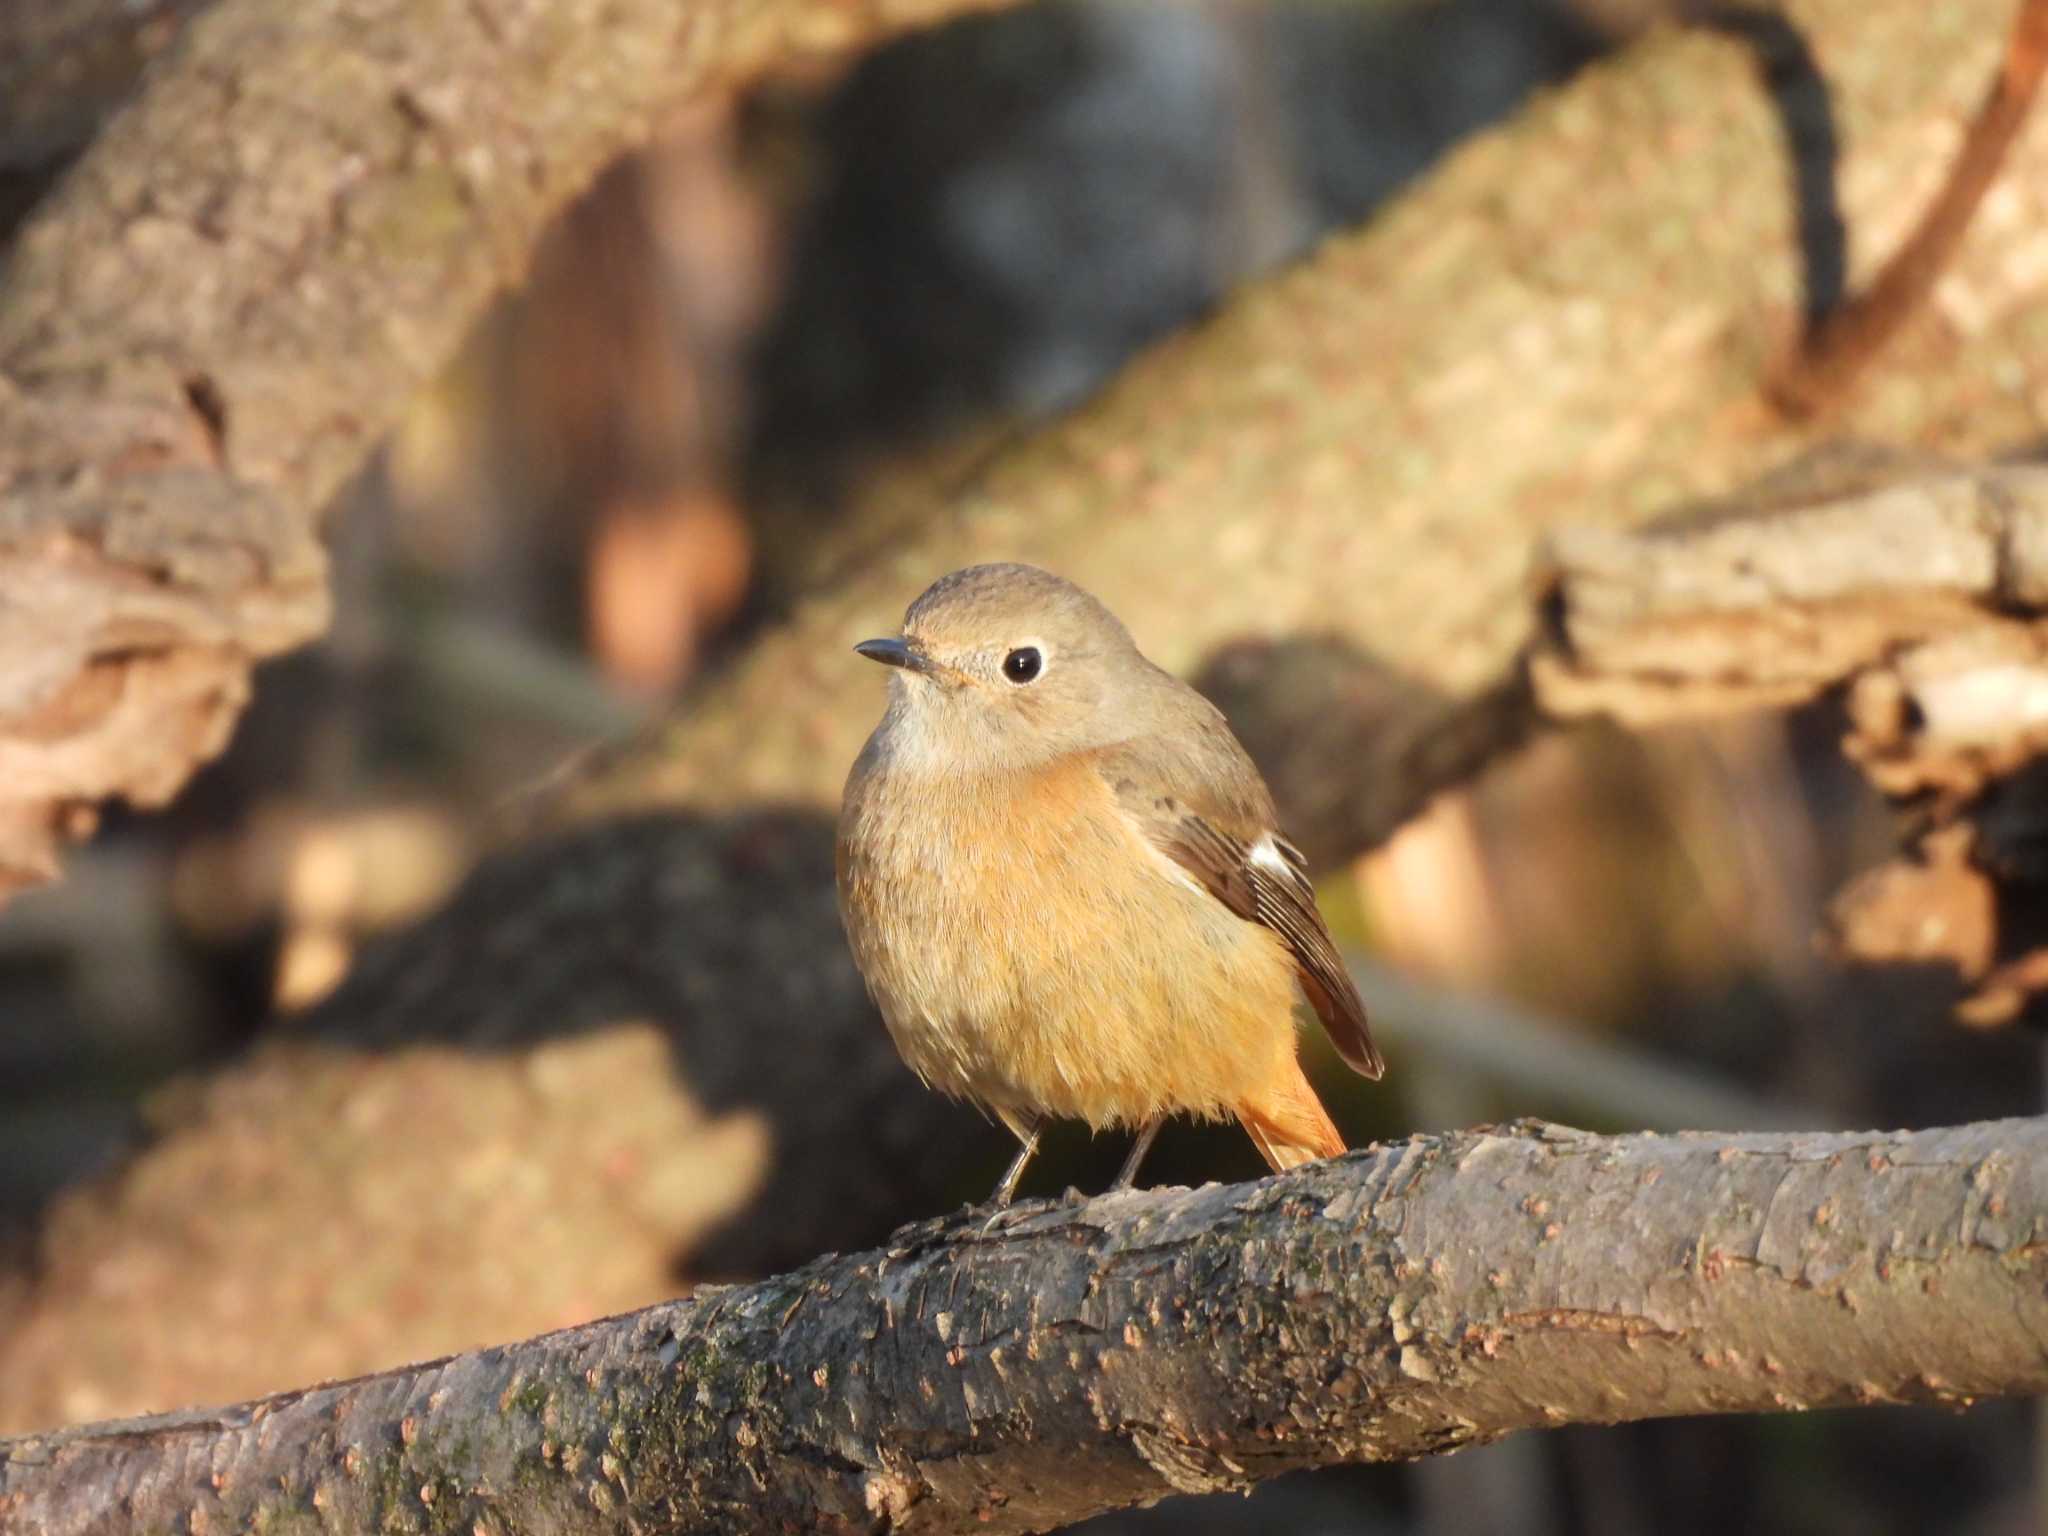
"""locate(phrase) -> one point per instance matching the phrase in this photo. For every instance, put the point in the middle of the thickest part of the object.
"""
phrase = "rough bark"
(1768, 600)
(1567, 323)
(1925, 600)
(1394, 1304)
(230, 298)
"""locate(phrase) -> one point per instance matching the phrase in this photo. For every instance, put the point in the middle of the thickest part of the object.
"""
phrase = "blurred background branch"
(1920, 597)
(1542, 1062)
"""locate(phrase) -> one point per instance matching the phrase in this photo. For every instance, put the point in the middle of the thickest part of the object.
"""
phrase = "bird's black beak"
(893, 653)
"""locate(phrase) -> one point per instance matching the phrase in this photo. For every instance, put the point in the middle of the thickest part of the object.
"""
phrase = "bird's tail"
(1288, 1123)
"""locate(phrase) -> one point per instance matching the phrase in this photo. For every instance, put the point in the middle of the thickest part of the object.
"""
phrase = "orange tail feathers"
(1289, 1125)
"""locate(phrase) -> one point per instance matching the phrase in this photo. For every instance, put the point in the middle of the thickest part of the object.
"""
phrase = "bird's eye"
(1023, 664)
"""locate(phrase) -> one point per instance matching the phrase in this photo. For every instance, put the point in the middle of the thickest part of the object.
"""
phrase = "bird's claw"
(997, 1218)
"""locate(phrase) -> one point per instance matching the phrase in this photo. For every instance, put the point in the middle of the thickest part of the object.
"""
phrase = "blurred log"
(1923, 598)
(1391, 1305)
(225, 305)
(622, 1058)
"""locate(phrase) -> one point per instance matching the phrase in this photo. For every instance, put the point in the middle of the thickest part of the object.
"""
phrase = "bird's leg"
(1028, 1128)
(1146, 1135)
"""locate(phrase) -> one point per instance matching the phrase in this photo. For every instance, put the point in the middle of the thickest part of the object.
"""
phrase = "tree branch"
(1841, 343)
(1921, 598)
(1768, 599)
(1394, 1304)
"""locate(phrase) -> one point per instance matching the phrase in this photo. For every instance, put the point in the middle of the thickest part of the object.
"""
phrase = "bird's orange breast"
(1029, 949)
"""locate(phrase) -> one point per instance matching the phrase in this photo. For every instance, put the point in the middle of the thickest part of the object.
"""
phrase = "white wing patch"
(1266, 853)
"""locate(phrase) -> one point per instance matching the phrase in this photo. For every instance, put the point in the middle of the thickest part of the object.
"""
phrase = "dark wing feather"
(1216, 845)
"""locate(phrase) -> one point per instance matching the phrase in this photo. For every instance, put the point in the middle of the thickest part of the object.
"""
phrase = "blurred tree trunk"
(1439, 1293)
(1569, 322)
(227, 302)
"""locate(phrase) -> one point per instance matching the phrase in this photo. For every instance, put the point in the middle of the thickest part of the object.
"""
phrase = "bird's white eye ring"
(1024, 664)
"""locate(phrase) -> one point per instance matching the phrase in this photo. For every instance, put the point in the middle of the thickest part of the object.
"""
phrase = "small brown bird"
(1063, 881)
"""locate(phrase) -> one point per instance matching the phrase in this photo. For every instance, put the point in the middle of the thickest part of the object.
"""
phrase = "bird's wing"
(1234, 852)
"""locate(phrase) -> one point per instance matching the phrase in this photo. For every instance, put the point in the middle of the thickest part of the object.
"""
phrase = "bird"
(1063, 881)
